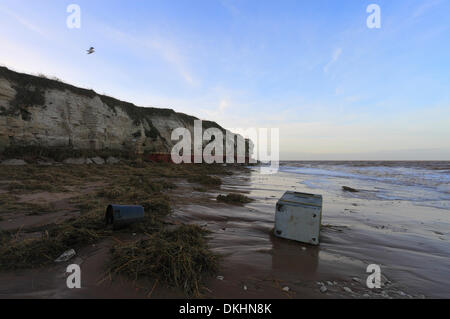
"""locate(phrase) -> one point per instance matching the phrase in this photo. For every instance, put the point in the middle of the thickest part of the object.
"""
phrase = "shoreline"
(255, 264)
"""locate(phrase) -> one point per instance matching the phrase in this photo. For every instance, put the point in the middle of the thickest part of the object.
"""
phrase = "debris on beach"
(98, 160)
(302, 210)
(179, 257)
(178, 254)
(120, 216)
(112, 160)
(220, 278)
(346, 289)
(349, 189)
(384, 294)
(66, 256)
(323, 289)
(236, 199)
(75, 161)
(14, 162)
(356, 279)
(205, 180)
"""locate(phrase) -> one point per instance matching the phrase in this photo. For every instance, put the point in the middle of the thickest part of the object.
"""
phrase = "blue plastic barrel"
(121, 216)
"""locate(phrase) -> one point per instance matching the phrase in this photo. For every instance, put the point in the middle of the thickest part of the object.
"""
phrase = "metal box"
(298, 217)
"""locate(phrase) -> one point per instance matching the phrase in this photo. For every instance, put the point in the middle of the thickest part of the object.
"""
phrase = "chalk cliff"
(36, 111)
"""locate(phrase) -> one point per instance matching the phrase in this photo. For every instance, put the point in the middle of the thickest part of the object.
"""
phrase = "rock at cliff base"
(14, 162)
(112, 160)
(44, 163)
(98, 160)
(75, 161)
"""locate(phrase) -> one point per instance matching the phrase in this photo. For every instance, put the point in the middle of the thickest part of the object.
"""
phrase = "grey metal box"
(298, 217)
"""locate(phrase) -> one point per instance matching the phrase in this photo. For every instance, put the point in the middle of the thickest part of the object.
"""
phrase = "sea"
(424, 183)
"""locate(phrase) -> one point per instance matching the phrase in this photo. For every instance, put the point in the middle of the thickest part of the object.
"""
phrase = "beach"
(398, 220)
(407, 237)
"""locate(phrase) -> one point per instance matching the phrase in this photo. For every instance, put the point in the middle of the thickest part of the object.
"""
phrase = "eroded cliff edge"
(45, 113)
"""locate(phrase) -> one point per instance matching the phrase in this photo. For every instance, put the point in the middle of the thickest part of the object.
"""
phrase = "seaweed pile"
(177, 256)
(236, 199)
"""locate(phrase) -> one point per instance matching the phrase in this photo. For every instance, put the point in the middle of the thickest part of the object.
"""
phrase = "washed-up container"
(121, 216)
(298, 217)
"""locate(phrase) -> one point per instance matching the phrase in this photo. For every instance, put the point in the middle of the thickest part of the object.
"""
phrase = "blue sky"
(335, 88)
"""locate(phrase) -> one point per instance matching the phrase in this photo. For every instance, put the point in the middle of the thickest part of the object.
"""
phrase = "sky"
(335, 88)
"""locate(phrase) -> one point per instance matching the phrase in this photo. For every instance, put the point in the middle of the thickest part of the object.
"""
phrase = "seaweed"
(236, 199)
(39, 252)
(205, 180)
(179, 258)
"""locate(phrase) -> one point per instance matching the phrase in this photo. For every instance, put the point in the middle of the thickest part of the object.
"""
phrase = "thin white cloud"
(24, 22)
(423, 8)
(334, 58)
(166, 49)
(172, 55)
(231, 7)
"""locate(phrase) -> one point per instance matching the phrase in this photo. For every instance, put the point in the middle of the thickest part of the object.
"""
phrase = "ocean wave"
(391, 175)
(444, 188)
(443, 166)
(420, 186)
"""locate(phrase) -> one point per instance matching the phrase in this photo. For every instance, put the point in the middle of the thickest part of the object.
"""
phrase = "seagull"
(91, 50)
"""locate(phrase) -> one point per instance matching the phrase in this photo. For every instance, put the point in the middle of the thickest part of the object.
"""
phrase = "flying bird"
(91, 50)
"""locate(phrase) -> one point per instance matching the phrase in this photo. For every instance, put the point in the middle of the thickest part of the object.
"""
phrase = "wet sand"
(411, 248)
(408, 242)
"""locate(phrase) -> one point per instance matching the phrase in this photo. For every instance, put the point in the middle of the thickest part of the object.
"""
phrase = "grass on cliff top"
(178, 258)
(30, 92)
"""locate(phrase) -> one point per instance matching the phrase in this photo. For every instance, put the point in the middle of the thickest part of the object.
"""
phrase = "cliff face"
(35, 111)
